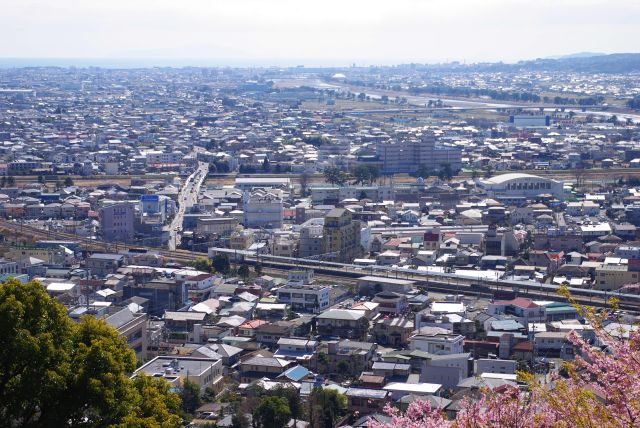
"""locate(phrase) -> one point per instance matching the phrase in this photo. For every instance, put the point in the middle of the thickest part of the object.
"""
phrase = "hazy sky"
(311, 32)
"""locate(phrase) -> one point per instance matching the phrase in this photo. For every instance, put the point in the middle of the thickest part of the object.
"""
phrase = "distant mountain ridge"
(580, 62)
(576, 55)
(612, 63)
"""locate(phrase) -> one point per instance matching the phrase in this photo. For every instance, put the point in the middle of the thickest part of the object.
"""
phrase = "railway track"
(430, 282)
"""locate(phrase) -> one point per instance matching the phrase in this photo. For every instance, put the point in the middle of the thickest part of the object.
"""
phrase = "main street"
(187, 198)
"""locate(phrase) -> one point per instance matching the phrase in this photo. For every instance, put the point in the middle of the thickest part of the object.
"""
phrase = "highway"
(187, 198)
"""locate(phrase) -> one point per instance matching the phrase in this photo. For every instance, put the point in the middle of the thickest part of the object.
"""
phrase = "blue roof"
(295, 373)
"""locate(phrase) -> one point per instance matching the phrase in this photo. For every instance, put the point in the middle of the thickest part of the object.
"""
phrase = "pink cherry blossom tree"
(601, 389)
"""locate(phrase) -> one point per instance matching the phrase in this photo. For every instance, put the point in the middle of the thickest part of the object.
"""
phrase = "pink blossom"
(602, 389)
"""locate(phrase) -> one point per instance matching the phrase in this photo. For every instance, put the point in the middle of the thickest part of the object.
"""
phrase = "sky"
(323, 32)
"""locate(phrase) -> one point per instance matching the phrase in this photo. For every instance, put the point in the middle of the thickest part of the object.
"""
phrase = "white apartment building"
(435, 340)
(154, 157)
(308, 298)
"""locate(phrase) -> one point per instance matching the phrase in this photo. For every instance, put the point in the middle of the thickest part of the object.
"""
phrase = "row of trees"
(501, 95)
(361, 174)
(445, 172)
(7, 180)
(220, 263)
(10, 180)
(368, 174)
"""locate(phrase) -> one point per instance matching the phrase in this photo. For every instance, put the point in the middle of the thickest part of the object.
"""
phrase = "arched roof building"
(519, 184)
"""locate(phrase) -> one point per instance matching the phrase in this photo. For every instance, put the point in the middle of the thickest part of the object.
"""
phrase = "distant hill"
(584, 62)
(614, 63)
(576, 55)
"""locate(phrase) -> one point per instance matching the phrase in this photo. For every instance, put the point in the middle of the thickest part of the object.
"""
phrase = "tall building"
(116, 222)
(341, 236)
(156, 208)
(263, 208)
(409, 154)
(310, 242)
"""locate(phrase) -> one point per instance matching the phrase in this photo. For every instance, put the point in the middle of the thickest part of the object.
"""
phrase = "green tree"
(40, 179)
(155, 405)
(335, 175)
(221, 263)
(54, 372)
(11, 181)
(365, 173)
(343, 367)
(304, 183)
(68, 181)
(488, 171)
(445, 173)
(273, 412)
(209, 395)
(474, 174)
(316, 140)
(266, 166)
(244, 271)
(291, 315)
(257, 269)
(326, 407)
(422, 171)
(293, 399)
(202, 264)
(190, 396)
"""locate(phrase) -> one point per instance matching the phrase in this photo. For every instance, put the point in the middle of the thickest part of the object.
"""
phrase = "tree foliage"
(190, 396)
(365, 174)
(221, 263)
(445, 172)
(244, 271)
(273, 412)
(326, 407)
(335, 175)
(202, 264)
(316, 140)
(54, 372)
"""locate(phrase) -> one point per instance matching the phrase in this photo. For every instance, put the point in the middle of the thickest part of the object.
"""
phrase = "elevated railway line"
(442, 282)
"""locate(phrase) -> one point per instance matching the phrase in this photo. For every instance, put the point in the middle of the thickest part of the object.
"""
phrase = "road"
(187, 198)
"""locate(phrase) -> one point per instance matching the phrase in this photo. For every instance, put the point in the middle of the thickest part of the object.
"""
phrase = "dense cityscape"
(333, 231)
(205, 221)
